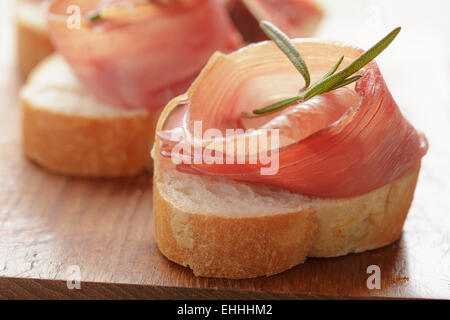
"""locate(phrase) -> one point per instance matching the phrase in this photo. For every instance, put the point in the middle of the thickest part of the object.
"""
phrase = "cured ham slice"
(297, 18)
(354, 140)
(139, 54)
(300, 121)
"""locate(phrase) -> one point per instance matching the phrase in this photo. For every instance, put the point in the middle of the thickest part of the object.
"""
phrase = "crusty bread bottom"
(234, 243)
(67, 131)
(229, 229)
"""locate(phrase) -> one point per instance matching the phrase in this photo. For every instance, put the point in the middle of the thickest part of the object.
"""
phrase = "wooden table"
(50, 222)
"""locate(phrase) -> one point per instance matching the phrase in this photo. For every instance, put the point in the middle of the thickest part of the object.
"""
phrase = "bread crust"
(232, 246)
(33, 43)
(217, 246)
(102, 143)
(237, 248)
(369, 221)
(91, 147)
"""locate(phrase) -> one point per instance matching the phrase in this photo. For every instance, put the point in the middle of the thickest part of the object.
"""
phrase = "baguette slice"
(68, 131)
(33, 42)
(229, 229)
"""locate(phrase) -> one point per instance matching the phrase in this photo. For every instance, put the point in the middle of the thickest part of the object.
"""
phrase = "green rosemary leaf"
(326, 83)
(95, 17)
(346, 82)
(336, 66)
(277, 105)
(285, 45)
(331, 80)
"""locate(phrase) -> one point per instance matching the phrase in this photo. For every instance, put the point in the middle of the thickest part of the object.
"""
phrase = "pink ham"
(354, 141)
(140, 54)
(302, 120)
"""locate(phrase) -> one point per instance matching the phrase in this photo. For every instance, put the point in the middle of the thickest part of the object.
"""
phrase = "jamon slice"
(367, 147)
(140, 54)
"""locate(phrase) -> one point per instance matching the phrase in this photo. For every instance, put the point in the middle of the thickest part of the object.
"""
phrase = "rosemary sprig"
(285, 45)
(95, 17)
(277, 105)
(336, 66)
(330, 81)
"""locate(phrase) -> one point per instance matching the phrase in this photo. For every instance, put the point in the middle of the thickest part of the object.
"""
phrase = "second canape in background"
(33, 43)
(66, 130)
(91, 109)
(298, 18)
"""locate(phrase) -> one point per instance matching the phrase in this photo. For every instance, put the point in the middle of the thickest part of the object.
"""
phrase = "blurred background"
(416, 68)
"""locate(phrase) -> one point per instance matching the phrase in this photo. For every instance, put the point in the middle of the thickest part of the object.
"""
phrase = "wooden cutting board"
(49, 222)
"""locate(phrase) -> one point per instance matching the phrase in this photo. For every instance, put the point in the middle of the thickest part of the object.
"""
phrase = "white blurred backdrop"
(416, 68)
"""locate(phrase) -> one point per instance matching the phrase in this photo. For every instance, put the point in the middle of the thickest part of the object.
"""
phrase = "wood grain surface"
(50, 222)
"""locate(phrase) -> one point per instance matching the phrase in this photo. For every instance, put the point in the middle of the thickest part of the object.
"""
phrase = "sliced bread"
(225, 228)
(66, 130)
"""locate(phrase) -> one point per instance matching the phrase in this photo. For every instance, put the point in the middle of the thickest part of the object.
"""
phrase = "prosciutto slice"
(340, 144)
(297, 18)
(136, 53)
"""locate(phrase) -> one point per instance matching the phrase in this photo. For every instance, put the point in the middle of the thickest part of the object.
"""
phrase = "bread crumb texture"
(66, 130)
(229, 229)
